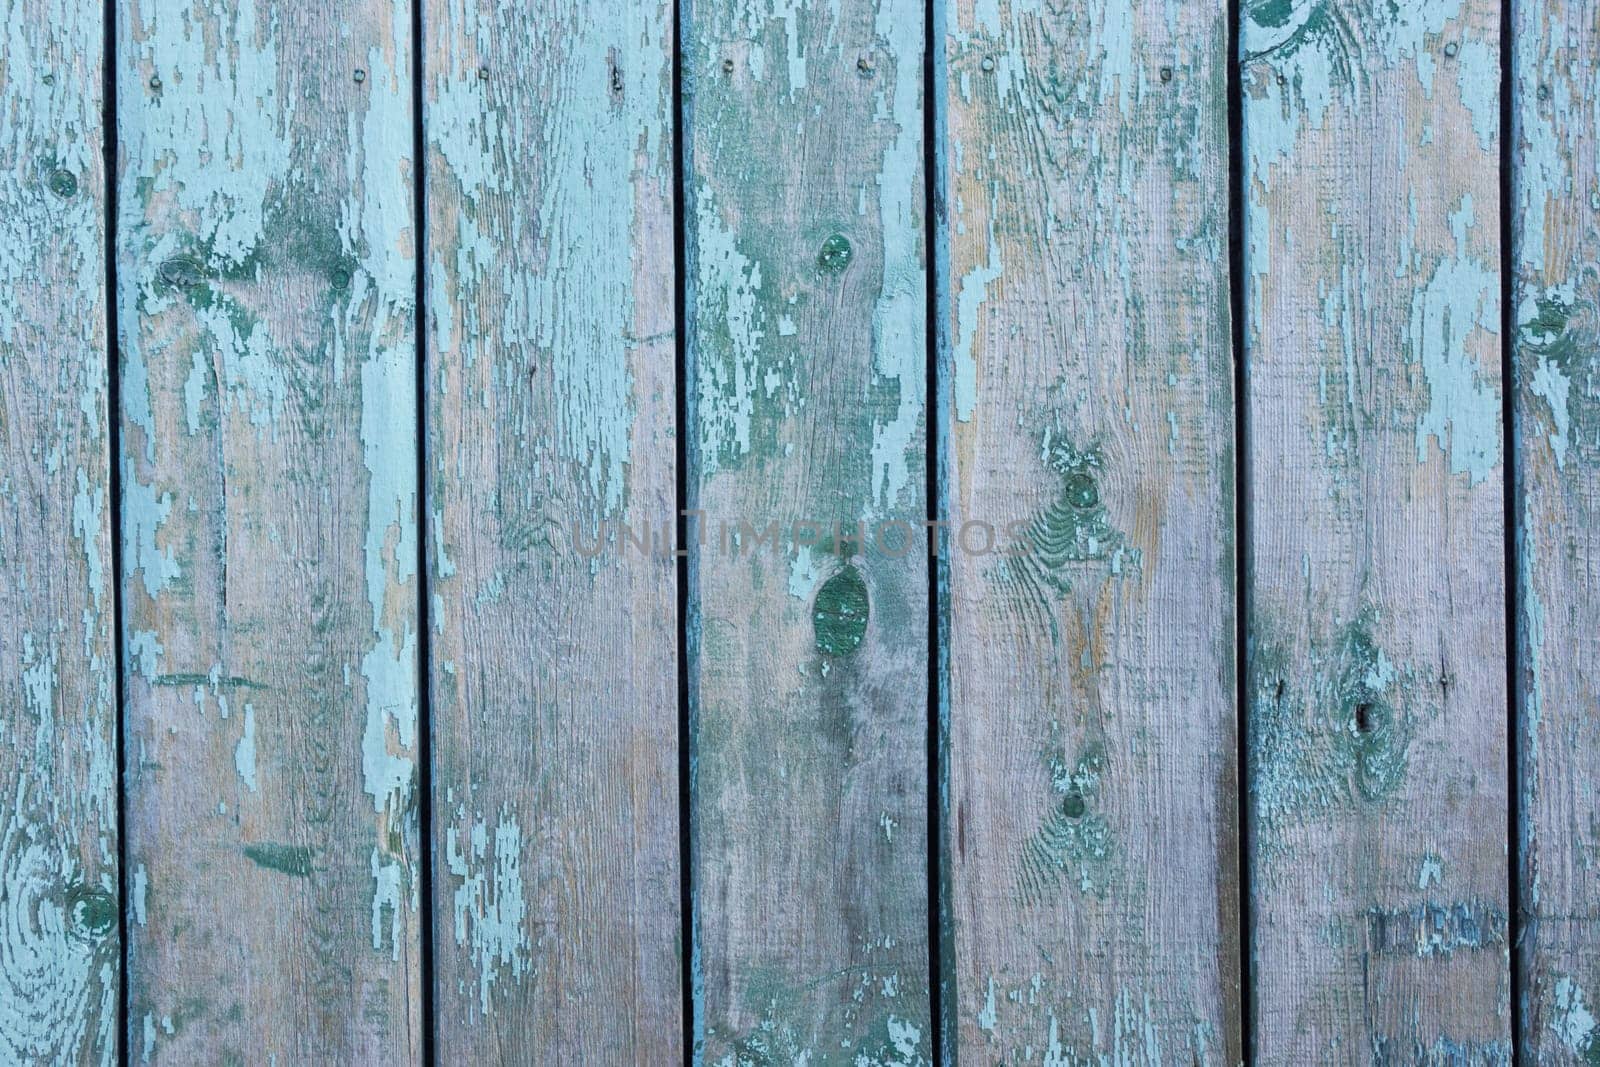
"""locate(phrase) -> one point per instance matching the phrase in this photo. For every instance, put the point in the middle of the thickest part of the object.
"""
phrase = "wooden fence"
(481, 614)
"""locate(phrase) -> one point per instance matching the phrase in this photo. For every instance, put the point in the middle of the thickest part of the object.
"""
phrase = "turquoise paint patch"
(1463, 412)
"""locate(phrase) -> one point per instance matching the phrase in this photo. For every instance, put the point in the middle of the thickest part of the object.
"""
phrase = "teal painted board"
(1556, 239)
(266, 281)
(808, 657)
(1087, 417)
(59, 898)
(550, 407)
(1375, 585)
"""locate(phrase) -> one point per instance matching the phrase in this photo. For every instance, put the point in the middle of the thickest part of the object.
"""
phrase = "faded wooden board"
(1375, 586)
(58, 759)
(1556, 238)
(1087, 406)
(266, 282)
(551, 406)
(808, 665)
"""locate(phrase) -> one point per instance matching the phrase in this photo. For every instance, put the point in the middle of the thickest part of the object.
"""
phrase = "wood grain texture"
(59, 900)
(1556, 241)
(1375, 586)
(551, 412)
(266, 281)
(1091, 810)
(808, 662)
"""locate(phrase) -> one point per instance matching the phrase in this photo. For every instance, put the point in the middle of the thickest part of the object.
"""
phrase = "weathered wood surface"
(1092, 805)
(266, 279)
(808, 669)
(1556, 240)
(551, 407)
(1377, 763)
(59, 954)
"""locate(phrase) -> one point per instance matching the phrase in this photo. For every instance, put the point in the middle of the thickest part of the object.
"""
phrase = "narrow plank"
(59, 899)
(1556, 242)
(550, 415)
(1088, 400)
(808, 668)
(266, 285)
(1377, 686)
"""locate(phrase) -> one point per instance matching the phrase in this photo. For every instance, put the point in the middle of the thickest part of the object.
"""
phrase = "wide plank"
(266, 290)
(550, 407)
(1087, 455)
(1555, 156)
(1375, 582)
(807, 355)
(59, 897)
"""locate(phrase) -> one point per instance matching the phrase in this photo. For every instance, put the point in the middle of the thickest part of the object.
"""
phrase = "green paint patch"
(1272, 13)
(93, 910)
(1331, 732)
(839, 614)
(1074, 844)
(1557, 347)
(293, 860)
(63, 183)
(835, 255)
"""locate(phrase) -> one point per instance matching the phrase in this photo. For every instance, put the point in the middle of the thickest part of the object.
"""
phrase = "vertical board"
(1556, 237)
(59, 955)
(808, 673)
(1091, 810)
(266, 281)
(550, 407)
(1375, 587)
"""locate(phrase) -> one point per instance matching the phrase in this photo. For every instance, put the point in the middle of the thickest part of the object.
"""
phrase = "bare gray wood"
(1090, 822)
(1377, 688)
(266, 279)
(808, 661)
(1556, 239)
(551, 407)
(59, 898)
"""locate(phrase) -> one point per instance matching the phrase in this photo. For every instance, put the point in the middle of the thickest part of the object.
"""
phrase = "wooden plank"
(266, 283)
(1377, 713)
(551, 409)
(1088, 400)
(1556, 242)
(808, 662)
(59, 899)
